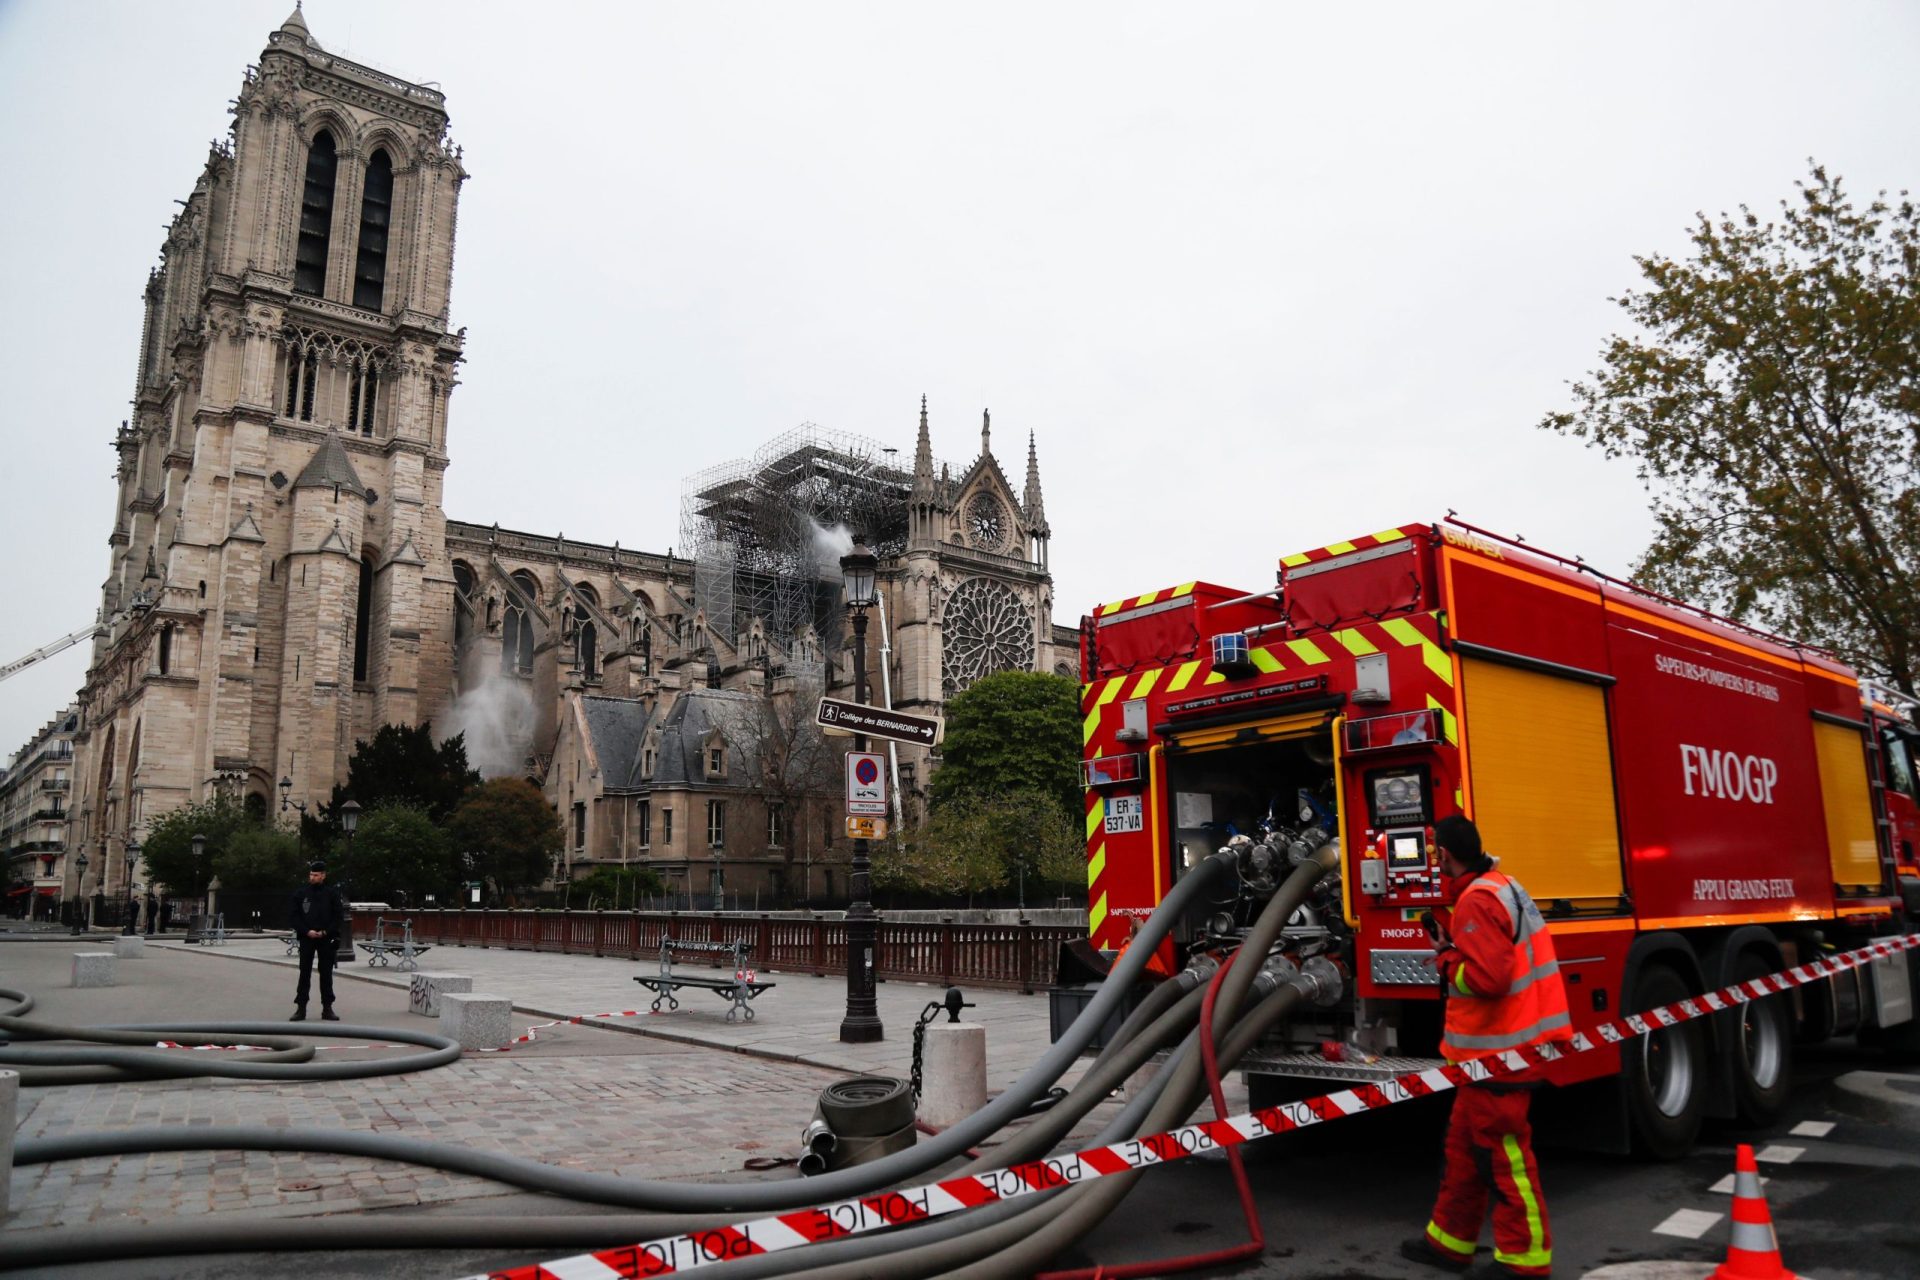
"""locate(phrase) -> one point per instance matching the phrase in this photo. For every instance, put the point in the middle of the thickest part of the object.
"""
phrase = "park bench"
(382, 950)
(739, 988)
(208, 930)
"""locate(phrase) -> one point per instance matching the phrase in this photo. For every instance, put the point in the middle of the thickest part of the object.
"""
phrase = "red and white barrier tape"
(534, 1030)
(696, 1249)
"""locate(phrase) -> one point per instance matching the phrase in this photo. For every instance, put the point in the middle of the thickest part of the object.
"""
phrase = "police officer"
(153, 911)
(317, 915)
(1504, 991)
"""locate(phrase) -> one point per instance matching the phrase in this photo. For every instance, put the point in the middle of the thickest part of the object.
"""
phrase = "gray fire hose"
(708, 1199)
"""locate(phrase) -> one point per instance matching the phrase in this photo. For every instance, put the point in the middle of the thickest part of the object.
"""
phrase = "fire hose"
(689, 1205)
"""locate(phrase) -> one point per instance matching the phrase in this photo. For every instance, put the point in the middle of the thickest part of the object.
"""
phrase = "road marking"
(1812, 1129)
(1725, 1185)
(1688, 1224)
(1777, 1154)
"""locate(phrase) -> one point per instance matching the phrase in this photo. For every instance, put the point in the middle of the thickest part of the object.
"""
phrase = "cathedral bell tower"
(278, 581)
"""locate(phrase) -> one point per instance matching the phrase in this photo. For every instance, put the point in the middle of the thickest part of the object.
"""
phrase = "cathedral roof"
(329, 467)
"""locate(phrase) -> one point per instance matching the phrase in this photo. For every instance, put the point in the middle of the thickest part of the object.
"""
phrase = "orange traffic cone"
(1752, 1253)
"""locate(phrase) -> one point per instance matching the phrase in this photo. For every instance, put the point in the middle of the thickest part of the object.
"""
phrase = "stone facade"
(278, 582)
(34, 792)
(283, 581)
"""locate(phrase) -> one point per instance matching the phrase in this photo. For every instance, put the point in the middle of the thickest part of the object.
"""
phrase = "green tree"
(1013, 731)
(167, 847)
(401, 765)
(616, 888)
(506, 832)
(257, 856)
(1770, 396)
(399, 855)
(976, 843)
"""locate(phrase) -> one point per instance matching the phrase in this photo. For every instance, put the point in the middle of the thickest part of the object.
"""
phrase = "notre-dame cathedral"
(284, 580)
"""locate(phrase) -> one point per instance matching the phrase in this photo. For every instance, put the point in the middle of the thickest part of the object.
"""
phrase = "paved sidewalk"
(797, 1021)
(682, 1095)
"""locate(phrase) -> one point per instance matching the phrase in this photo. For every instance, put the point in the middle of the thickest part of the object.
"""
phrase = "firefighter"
(1156, 965)
(317, 915)
(1503, 987)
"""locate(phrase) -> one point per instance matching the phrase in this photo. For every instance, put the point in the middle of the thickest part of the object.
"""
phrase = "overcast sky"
(1258, 277)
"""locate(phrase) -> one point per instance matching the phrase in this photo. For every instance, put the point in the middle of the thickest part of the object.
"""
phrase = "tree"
(258, 856)
(168, 846)
(404, 765)
(979, 842)
(399, 855)
(793, 760)
(509, 831)
(1013, 731)
(1771, 399)
(618, 888)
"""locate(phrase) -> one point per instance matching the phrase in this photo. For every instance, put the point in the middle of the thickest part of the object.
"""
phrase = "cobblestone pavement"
(580, 1096)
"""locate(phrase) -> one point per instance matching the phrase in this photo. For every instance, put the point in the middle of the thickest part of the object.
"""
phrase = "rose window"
(987, 628)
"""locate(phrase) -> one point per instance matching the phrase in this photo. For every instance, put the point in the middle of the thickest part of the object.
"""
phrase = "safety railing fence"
(1015, 956)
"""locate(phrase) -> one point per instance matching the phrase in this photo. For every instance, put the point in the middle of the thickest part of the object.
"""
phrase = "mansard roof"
(330, 466)
(617, 727)
(684, 730)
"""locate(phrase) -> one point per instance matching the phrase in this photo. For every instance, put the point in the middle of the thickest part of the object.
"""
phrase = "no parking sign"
(866, 783)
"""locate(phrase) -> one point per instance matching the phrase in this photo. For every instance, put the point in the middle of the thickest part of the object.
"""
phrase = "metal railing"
(1020, 957)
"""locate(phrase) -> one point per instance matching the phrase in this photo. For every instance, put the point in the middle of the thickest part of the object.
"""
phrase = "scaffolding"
(766, 533)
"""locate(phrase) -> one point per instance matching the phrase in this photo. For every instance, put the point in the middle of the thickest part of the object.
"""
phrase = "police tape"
(695, 1249)
(532, 1032)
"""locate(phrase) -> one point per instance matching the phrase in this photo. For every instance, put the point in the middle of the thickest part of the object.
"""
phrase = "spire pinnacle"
(1035, 509)
(923, 459)
(986, 432)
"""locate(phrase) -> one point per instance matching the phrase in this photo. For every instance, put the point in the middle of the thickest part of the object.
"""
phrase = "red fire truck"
(1690, 802)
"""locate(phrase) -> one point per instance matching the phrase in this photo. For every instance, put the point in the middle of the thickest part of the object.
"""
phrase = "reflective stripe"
(1460, 980)
(1537, 1254)
(1512, 1040)
(1452, 1244)
(1550, 969)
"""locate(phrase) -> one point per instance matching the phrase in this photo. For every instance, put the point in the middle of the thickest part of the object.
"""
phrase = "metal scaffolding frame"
(766, 533)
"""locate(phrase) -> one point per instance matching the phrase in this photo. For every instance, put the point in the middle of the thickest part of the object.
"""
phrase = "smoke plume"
(497, 718)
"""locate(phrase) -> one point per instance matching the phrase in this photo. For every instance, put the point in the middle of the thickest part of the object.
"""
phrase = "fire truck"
(1690, 802)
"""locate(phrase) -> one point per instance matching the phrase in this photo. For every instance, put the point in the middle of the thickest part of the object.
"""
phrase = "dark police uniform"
(316, 907)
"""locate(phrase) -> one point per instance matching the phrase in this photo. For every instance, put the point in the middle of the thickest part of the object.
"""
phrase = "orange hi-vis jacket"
(1503, 981)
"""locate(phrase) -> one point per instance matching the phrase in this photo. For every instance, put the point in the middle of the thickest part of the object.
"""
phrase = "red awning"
(49, 891)
(14, 893)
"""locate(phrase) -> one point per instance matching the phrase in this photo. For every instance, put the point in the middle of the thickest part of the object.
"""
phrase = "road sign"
(866, 783)
(866, 828)
(897, 726)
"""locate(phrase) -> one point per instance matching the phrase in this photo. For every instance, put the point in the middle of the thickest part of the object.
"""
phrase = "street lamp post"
(132, 857)
(862, 1022)
(79, 891)
(349, 823)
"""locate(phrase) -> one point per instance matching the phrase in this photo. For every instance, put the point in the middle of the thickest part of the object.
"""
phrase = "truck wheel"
(1762, 1051)
(1665, 1071)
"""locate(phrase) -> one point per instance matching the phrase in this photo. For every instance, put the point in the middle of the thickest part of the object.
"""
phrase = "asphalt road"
(1335, 1202)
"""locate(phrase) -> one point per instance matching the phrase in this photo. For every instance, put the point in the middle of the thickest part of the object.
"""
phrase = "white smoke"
(829, 544)
(497, 718)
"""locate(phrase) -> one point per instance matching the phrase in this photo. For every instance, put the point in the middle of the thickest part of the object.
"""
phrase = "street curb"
(623, 1026)
(1873, 1093)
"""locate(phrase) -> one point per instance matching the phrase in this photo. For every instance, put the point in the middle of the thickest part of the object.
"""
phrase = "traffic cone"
(1752, 1252)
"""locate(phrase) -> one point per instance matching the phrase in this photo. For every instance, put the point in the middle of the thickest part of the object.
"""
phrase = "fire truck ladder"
(44, 652)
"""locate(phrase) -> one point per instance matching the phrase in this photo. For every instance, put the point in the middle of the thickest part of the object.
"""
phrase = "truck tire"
(1762, 1050)
(1664, 1073)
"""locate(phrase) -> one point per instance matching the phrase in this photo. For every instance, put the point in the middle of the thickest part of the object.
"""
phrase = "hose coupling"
(1199, 971)
(1274, 974)
(818, 1139)
(1322, 981)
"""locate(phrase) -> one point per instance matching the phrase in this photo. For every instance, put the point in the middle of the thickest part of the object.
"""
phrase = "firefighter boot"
(1421, 1249)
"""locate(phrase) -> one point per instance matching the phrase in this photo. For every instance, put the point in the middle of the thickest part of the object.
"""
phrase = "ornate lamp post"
(862, 1022)
(349, 823)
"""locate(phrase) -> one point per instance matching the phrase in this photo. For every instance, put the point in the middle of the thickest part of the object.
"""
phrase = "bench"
(740, 988)
(209, 930)
(383, 951)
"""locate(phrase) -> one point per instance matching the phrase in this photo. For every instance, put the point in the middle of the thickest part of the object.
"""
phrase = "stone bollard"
(475, 1021)
(93, 968)
(953, 1073)
(9, 1107)
(125, 948)
(424, 992)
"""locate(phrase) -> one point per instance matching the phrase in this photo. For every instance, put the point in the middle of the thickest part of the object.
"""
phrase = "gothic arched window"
(516, 632)
(362, 618)
(986, 629)
(376, 206)
(588, 649)
(166, 648)
(316, 217)
(462, 601)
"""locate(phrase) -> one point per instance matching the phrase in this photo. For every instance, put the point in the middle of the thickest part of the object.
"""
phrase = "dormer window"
(716, 760)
